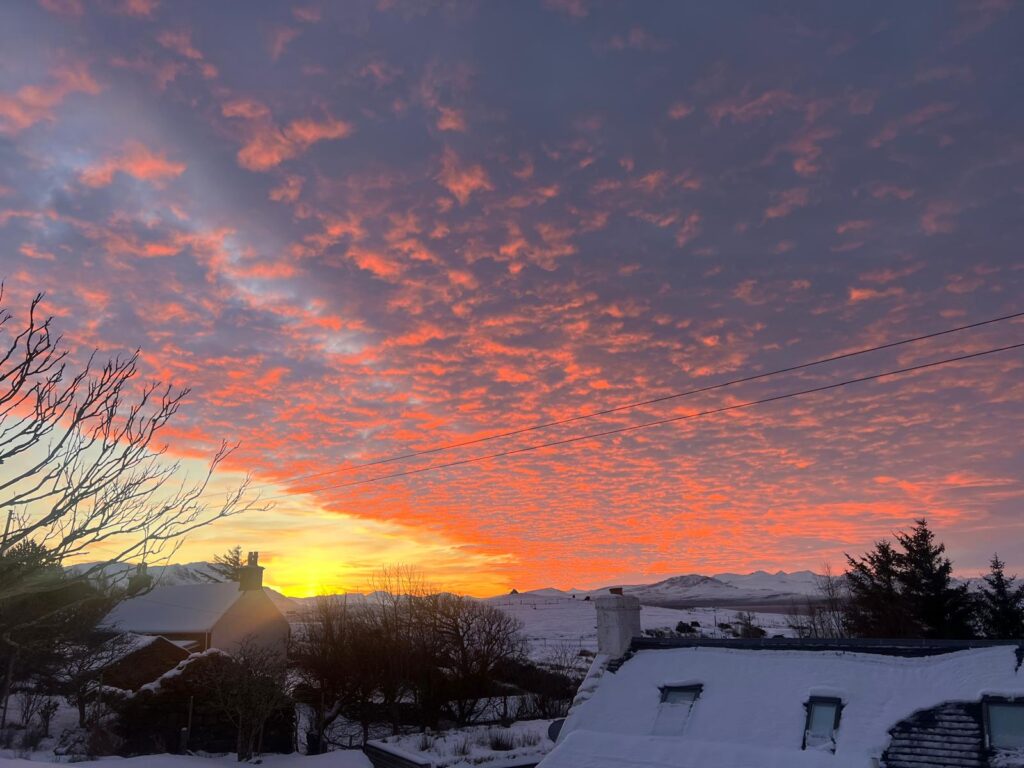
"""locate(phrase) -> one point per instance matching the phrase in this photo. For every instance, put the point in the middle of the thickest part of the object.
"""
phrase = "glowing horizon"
(363, 229)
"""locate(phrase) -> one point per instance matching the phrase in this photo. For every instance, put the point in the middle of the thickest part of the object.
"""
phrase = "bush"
(501, 741)
(152, 720)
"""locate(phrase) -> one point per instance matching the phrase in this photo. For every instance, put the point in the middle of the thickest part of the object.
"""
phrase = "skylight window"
(823, 713)
(1004, 723)
(676, 704)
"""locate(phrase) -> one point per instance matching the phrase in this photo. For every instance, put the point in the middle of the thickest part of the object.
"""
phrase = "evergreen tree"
(229, 565)
(875, 607)
(1001, 604)
(935, 605)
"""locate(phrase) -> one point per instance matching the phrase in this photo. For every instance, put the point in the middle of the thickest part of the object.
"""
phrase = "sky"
(357, 230)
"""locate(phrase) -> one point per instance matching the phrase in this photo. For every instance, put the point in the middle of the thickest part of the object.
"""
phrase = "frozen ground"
(552, 621)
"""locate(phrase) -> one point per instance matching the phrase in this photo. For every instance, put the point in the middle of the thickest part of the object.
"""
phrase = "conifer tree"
(229, 565)
(939, 608)
(1001, 603)
(875, 607)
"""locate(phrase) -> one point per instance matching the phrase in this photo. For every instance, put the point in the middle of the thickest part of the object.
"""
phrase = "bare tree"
(339, 665)
(82, 470)
(478, 638)
(822, 615)
(248, 688)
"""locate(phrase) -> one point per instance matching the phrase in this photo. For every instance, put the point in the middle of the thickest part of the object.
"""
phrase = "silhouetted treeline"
(905, 589)
(407, 658)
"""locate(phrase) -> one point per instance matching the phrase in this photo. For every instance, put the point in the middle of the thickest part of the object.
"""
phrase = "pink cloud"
(914, 119)
(939, 217)
(279, 39)
(743, 109)
(135, 160)
(461, 180)
(679, 109)
(70, 8)
(32, 104)
(268, 146)
(689, 230)
(180, 42)
(575, 8)
(137, 8)
(786, 202)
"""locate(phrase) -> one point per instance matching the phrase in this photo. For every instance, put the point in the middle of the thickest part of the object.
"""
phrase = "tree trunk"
(5, 690)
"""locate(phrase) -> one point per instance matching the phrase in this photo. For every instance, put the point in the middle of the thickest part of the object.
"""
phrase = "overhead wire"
(655, 423)
(641, 403)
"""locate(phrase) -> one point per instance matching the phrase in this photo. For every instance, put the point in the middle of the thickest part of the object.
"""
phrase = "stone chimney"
(250, 575)
(139, 581)
(618, 622)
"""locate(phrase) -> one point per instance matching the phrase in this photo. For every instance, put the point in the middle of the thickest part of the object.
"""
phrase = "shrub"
(501, 741)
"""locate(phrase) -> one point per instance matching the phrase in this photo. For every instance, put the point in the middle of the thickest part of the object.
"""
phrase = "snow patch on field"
(552, 621)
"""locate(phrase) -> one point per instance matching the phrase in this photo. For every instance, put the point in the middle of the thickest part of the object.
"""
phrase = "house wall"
(255, 616)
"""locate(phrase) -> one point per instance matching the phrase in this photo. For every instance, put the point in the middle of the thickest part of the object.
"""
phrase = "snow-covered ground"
(552, 621)
(480, 745)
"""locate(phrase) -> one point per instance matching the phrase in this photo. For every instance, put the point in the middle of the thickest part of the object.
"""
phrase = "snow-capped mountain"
(171, 575)
(728, 589)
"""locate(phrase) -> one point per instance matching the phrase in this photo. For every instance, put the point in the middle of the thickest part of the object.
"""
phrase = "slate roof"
(751, 711)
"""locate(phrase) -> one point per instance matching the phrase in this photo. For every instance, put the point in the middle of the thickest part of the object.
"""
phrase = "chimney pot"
(250, 575)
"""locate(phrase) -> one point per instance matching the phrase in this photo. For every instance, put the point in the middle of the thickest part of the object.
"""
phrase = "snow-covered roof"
(180, 608)
(750, 711)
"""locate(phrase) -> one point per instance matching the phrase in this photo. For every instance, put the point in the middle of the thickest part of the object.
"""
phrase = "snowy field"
(552, 622)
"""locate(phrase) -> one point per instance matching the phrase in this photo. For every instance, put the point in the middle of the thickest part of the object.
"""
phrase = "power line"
(659, 422)
(650, 401)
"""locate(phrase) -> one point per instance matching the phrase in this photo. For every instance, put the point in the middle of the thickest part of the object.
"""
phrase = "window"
(674, 711)
(1004, 723)
(823, 714)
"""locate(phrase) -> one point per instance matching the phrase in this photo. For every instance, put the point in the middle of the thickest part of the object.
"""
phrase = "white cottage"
(202, 616)
(785, 702)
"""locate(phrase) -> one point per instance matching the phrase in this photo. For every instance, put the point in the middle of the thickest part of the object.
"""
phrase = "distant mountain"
(172, 575)
(759, 589)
